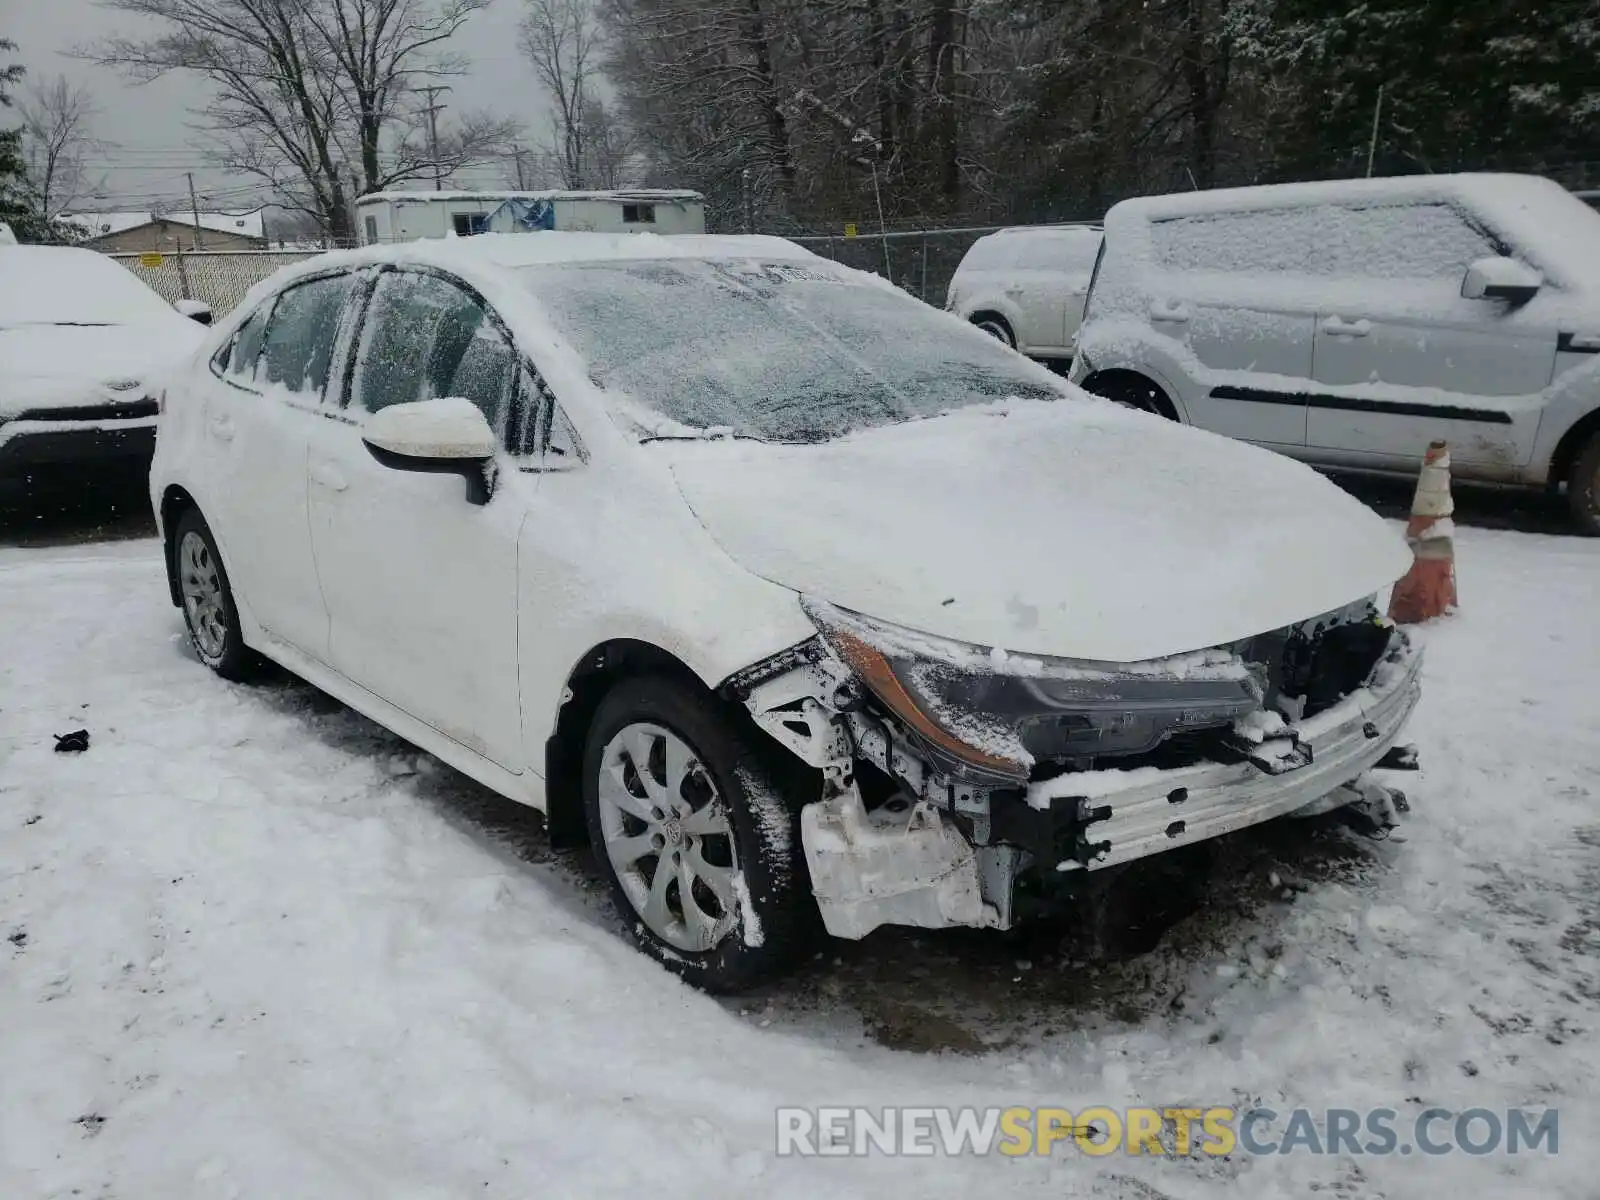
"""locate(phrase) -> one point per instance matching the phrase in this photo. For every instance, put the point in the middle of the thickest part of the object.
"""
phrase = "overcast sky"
(147, 125)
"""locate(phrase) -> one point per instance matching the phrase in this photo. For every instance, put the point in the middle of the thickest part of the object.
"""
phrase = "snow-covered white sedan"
(82, 344)
(792, 595)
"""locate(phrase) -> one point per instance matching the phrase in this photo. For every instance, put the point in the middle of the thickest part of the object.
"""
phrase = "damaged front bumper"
(943, 852)
(1099, 819)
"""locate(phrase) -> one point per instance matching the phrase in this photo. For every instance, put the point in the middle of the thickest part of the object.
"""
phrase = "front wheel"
(1583, 487)
(693, 821)
(209, 610)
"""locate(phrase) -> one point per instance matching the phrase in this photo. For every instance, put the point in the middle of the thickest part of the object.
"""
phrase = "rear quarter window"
(241, 355)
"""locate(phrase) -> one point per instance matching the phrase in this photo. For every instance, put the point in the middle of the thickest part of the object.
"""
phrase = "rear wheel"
(996, 327)
(208, 607)
(693, 821)
(1583, 487)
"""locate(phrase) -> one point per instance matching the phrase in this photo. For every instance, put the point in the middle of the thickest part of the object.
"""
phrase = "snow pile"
(244, 955)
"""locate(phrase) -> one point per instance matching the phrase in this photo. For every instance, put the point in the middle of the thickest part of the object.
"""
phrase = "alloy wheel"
(201, 585)
(666, 832)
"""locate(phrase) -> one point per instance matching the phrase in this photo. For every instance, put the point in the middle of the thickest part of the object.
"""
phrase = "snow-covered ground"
(259, 948)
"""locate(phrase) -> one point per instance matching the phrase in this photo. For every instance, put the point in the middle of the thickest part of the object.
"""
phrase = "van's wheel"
(1131, 390)
(209, 610)
(694, 823)
(996, 327)
(1583, 487)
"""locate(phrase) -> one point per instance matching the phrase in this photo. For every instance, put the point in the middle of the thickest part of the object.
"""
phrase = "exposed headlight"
(989, 715)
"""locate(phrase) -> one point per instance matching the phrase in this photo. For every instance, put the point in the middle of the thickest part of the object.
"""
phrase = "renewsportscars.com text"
(1176, 1131)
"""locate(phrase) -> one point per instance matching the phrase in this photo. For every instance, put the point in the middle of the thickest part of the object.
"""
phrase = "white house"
(406, 216)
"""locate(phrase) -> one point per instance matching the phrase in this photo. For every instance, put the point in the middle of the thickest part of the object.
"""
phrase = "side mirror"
(446, 436)
(1501, 279)
(195, 310)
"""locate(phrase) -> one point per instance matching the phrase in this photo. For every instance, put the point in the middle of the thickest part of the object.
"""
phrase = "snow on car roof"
(516, 250)
(1527, 210)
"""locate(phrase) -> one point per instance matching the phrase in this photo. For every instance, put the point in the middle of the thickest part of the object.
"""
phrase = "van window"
(1409, 241)
(1070, 252)
(990, 253)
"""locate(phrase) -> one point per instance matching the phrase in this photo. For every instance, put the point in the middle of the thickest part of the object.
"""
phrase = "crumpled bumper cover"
(916, 868)
(1119, 816)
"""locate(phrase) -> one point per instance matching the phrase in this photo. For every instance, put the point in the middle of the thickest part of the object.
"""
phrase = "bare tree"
(561, 38)
(57, 137)
(316, 98)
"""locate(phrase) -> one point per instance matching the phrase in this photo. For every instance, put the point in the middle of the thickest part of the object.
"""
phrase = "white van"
(1026, 286)
(1351, 323)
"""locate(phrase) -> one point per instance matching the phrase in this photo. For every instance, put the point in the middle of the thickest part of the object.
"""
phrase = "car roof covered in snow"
(1527, 210)
(516, 250)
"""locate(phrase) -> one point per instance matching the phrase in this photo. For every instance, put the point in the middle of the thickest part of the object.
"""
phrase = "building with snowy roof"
(408, 216)
(166, 232)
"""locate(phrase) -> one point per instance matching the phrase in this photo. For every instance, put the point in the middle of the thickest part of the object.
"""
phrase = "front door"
(262, 411)
(421, 585)
(1403, 360)
(1235, 289)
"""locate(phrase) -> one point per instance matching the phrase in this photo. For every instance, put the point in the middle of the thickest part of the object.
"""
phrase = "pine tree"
(14, 209)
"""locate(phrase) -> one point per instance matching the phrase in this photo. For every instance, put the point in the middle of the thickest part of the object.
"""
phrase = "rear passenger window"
(426, 337)
(298, 351)
(239, 358)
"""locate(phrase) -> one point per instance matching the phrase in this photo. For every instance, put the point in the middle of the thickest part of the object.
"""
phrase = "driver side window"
(426, 337)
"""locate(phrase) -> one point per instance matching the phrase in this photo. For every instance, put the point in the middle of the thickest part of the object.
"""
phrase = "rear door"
(1049, 282)
(421, 585)
(1403, 360)
(1238, 290)
(261, 413)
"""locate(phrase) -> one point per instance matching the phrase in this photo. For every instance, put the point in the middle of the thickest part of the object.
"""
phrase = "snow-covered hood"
(54, 366)
(1072, 528)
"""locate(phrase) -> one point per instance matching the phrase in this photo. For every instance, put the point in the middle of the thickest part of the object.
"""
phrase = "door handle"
(1177, 314)
(1339, 327)
(328, 476)
(222, 428)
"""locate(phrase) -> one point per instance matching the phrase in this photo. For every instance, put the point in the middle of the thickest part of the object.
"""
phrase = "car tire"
(1583, 487)
(209, 611)
(683, 802)
(1131, 390)
(997, 328)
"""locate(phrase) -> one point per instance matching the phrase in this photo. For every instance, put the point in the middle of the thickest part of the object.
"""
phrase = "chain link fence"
(920, 261)
(220, 277)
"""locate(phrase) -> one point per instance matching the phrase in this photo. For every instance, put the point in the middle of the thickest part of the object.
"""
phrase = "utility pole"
(1372, 146)
(516, 155)
(433, 110)
(194, 209)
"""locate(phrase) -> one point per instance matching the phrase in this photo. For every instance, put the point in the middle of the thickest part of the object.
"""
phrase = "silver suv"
(1026, 286)
(1351, 323)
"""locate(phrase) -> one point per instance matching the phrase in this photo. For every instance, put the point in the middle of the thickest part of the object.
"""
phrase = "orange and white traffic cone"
(1429, 588)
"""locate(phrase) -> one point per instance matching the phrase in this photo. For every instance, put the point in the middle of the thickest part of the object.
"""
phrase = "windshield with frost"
(781, 351)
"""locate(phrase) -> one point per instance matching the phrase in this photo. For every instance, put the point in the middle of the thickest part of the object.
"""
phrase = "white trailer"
(407, 216)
